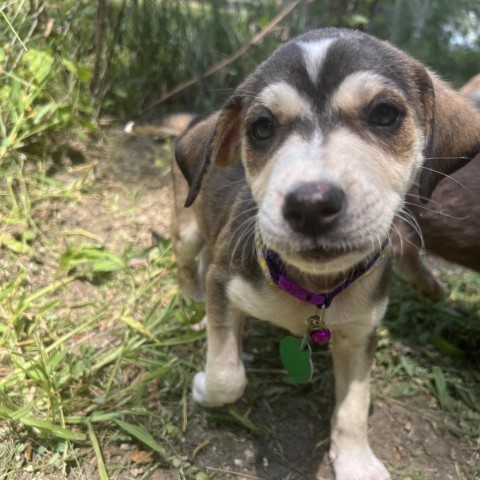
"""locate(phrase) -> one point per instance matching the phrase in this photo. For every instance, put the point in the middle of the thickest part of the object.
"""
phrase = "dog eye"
(383, 115)
(262, 129)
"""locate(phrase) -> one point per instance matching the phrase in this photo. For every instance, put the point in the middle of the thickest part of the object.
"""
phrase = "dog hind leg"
(187, 241)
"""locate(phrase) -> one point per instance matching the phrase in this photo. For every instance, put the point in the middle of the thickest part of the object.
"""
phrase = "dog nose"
(313, 208)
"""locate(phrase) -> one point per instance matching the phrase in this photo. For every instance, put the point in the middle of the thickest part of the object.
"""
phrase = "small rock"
(238, 462)
(249, 455)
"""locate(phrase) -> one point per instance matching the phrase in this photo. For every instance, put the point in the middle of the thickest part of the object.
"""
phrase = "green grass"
(439, 349)
(60, 391)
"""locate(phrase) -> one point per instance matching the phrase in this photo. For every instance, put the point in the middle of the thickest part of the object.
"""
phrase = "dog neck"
(304, 286)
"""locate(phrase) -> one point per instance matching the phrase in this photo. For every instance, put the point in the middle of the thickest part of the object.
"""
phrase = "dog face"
(332, 130)
(329, 153)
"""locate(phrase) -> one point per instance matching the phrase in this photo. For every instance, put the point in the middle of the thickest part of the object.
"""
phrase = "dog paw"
(200, 392)
(358, 465)
(190, 285)
(201, 325)
(435, 290)
(430, 286)
(215, 393)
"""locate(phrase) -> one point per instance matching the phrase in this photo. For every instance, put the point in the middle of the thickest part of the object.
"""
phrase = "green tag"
(296, 361)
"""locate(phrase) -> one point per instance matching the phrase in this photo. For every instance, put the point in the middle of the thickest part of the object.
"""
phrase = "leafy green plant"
(44, 92)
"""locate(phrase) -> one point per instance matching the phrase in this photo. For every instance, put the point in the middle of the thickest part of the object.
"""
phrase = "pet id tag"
(296, 359)
(296, 353)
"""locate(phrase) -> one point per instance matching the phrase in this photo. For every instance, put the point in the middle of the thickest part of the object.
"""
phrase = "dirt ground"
(292, 438)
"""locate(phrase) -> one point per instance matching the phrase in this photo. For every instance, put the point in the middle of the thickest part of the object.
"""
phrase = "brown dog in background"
(449, 223)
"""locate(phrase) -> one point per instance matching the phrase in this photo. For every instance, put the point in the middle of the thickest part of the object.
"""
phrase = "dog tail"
(170, 126)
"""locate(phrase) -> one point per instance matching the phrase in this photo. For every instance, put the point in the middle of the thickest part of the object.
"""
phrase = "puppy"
(293, 187)
(448, 226)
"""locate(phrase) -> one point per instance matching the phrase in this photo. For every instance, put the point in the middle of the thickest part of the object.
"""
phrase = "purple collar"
(274, 270)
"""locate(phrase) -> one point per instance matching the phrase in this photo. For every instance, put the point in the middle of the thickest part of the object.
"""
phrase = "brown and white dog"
(311, 158)
(448, 226)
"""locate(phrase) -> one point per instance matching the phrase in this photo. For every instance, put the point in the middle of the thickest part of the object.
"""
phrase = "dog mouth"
(320, 260)
(317, 254)
(343, 241)
(315, 251)
(339, 252)
(325, 254)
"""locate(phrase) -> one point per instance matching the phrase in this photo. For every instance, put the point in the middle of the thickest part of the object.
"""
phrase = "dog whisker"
(247, 229)
(406, 216)
(403, 239)
(423, 207)
(420, 197)
(448, 158)
(445, 175)
(245, 212)
(230, 185)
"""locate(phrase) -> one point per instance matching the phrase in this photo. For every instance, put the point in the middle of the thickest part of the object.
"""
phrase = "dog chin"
(320, 261)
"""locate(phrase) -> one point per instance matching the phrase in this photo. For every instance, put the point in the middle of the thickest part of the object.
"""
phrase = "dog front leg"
(407, 254)
(224, 379)
(353, 350)
(418, 274)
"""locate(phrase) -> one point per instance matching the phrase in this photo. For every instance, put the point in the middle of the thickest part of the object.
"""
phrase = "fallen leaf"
(141, 457)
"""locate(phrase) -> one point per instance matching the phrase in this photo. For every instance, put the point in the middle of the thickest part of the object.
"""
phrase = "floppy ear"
(214, 139)
(452, 134)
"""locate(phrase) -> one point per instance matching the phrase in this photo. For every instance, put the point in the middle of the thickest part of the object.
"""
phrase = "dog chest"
(271, 304)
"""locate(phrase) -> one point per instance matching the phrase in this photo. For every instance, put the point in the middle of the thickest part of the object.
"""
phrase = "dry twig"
(231, 58)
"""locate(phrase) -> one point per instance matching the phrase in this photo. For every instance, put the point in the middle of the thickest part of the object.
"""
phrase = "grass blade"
(102, 470)
(441, 388)
(7, 21)
(53, 429)
(141, 435)
(138, 326)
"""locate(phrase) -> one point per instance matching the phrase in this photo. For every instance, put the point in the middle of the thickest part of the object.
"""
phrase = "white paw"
(201, 325)
(359, 464)
(216, 393)
(201, 394)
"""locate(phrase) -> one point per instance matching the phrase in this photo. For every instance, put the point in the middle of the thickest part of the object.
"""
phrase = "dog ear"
(452, 134)
(214, 139)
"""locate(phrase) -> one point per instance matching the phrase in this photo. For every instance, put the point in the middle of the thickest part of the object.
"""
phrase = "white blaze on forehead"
(314, 54)
(359, 88)
(283, 99)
